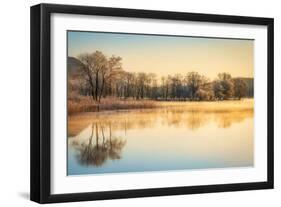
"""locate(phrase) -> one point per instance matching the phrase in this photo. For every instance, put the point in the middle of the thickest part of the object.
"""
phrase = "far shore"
(86, 104)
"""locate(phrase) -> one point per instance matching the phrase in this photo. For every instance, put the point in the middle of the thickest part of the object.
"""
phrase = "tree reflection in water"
(190, 118)
(187, 136)
(96, 153)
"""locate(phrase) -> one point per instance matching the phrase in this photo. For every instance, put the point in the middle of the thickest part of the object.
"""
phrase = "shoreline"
(185, 111)
(119, 105)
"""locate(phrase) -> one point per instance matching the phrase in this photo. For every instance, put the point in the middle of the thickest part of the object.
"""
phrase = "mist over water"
(176, 137)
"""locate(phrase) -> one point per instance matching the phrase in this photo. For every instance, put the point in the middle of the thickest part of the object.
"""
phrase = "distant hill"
(74, 66)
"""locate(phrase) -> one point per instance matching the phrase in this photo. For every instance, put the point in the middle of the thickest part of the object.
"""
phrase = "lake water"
(176, 137)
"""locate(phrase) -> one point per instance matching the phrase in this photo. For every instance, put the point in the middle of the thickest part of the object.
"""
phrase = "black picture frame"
(41, 102)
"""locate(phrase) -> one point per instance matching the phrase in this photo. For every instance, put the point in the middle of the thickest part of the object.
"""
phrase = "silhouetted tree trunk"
(97, 136)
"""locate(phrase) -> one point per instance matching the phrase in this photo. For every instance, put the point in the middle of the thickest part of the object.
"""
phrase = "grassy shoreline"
(85, 104)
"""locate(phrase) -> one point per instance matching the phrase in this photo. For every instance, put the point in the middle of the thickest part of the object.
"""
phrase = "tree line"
(100, 77)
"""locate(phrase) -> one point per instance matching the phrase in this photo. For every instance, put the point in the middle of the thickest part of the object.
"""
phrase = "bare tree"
(112, 68)
(93, 63)
(102, 76)
(224, 87)
(240, 88)
(194, 81)
(88, 68)
(99, 70)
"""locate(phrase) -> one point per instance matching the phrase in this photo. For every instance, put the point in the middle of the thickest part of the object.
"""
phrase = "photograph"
(133, 103)
(153, 102)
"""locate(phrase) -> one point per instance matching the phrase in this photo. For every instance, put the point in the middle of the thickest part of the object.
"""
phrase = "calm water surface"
(170, 138)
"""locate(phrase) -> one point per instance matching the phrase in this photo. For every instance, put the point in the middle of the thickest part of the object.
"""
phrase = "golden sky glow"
(165, 55)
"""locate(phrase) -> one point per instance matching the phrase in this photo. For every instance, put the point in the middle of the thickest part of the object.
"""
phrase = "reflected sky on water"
(175, 138)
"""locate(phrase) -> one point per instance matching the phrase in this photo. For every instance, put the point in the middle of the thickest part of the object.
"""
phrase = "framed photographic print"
(132, 103)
